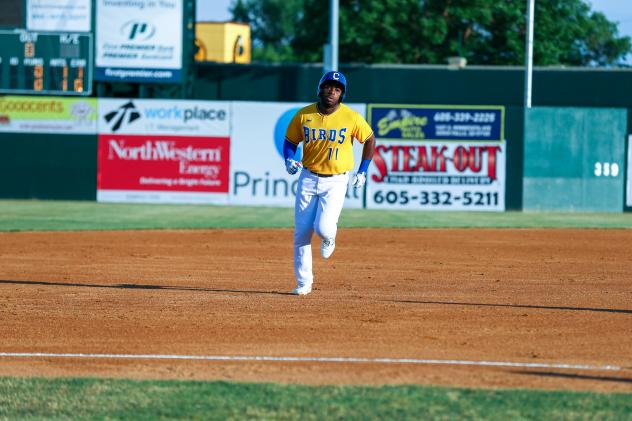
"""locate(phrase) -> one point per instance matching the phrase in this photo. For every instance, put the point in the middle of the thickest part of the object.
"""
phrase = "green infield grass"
(85, 399)
(36, 215)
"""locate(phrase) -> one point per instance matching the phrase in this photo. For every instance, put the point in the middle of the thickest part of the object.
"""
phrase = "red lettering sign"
(163, 163)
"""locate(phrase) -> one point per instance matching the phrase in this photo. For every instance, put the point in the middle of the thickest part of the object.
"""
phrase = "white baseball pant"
(319, 201)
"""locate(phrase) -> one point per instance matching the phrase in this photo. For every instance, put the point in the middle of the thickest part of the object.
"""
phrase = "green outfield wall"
(574, 159)
(48, 166)
(400, 84)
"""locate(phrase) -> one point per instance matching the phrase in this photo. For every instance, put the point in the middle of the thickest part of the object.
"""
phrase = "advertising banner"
(436, 122)
(437, 176)
(439, 158)
(258, 175)
(162, 168)
(139, 41)
(59, 15)
(163, 151)
(29, 114)
(152, 116)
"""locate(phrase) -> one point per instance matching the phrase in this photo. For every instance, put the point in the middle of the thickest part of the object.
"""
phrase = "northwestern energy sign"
(163, 151)
(139, 40)
(164, 163)
(437, 158)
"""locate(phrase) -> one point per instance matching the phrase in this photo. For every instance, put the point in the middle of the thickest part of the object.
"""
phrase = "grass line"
(37, 398)
(34, 215)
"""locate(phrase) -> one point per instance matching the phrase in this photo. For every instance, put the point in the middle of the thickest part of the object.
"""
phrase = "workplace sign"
(164, 117)
(434, 122)
(30, 114)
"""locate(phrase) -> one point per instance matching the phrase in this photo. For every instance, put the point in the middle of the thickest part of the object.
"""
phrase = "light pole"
(529, 55)
(330, 52)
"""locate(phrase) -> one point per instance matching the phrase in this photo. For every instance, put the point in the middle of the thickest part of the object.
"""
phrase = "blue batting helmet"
(336, 77)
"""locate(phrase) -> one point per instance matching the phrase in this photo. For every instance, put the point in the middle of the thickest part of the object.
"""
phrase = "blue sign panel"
(421, 122)
(138, 75)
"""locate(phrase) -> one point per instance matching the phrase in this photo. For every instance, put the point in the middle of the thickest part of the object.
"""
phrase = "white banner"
(437, 175)
(258, 175)
(164, 117)
(139, 40)
(59, 15)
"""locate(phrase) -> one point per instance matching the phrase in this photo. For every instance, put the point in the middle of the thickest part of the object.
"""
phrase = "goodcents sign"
(28, 114)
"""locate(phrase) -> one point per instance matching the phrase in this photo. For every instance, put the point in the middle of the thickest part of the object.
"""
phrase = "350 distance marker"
(436, 198)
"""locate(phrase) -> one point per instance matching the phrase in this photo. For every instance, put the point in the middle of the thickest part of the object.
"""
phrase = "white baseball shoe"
(327, 247)
(302, 290)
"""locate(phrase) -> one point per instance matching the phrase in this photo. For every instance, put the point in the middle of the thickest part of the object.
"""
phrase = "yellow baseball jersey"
(328, 139)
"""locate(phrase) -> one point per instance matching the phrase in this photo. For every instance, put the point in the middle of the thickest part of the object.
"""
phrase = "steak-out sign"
(473, 159)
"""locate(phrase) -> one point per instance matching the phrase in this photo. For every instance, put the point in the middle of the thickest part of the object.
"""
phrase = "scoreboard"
(50, 63)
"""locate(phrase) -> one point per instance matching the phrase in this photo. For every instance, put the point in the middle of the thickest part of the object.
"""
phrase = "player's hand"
(292, 166)
(358, 180)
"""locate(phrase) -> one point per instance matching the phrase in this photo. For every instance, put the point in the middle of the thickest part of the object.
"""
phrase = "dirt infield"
(469, 295)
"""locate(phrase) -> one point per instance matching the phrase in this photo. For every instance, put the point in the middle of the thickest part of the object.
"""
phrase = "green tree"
(491, 32)
(272, 25)
(584, 38)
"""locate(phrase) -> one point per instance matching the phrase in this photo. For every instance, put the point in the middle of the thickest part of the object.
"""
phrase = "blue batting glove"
(292, 166)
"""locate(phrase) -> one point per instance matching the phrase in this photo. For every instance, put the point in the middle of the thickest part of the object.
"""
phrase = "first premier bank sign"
(139, 41)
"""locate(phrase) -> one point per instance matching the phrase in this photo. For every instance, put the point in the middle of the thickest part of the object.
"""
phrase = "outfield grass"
(35, 215)
(33, 398)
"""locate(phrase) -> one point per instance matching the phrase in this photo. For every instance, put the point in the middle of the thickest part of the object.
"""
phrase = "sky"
(618, 11)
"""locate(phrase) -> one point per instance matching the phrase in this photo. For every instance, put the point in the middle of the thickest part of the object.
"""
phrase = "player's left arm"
(367, 155)
(367, 152)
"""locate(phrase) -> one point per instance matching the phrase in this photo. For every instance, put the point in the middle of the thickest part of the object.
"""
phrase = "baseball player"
(327, 129)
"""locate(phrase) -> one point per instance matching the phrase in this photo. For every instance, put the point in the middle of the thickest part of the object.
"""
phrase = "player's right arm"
(293, 136)
(289, 150)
